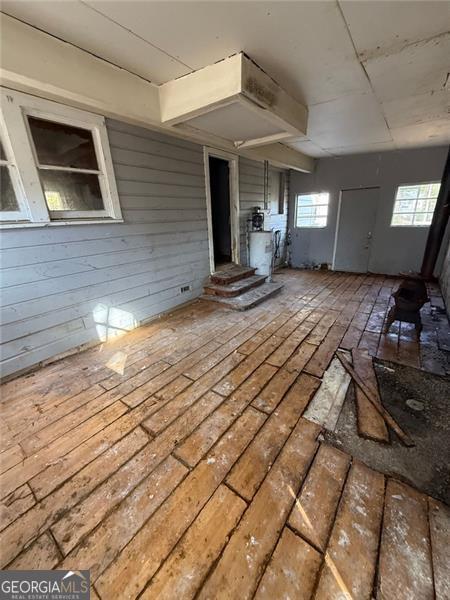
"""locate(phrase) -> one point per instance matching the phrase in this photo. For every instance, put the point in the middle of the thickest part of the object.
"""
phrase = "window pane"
(423, 218)
(2, 152)
(435, 187)
(312, 210)
(305, 211)
(424, 191)
(426, 205)
(8, 200)
(414, 204)
(321, 198)
(63, 145)
(311, 222)
(400, 219)
(71, 191)
(407, 192)
(306, 200)
(405, 206)
(304, 222)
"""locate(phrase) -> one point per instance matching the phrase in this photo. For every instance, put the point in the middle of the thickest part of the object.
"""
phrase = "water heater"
(261, 252)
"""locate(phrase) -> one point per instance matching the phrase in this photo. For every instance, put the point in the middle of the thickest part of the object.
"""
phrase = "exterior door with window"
(356, 222)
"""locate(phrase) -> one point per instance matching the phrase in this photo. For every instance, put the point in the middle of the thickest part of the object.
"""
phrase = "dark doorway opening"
(219, 180)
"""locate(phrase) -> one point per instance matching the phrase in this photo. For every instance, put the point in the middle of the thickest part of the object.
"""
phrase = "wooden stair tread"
(236, 288)
(248, 299)
(231, 273)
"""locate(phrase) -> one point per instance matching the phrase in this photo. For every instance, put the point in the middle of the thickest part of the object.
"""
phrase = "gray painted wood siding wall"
(66, 286)
(63, 287)
(251, 194)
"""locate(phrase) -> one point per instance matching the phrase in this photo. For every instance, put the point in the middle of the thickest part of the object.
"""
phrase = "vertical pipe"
(266, 184)
(438, 224)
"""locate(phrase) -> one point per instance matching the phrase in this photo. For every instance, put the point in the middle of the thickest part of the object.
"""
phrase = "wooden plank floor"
(175, 462)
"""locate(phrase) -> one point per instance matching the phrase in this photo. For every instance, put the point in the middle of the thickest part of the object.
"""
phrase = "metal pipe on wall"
(438, 224)
(266, 184)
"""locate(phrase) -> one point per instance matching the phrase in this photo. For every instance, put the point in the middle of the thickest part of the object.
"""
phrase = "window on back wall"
(312, 210)
(55, 164)
(414, 205)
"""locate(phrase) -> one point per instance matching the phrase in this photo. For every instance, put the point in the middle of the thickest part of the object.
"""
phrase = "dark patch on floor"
(426, 465)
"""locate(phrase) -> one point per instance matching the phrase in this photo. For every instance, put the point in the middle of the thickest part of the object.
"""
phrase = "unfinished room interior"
(225, 286)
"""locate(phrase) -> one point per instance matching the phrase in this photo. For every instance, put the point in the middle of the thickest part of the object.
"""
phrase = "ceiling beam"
(279, 107)
(234, 79)
(282, 156)
(200, 92)
(35, 62)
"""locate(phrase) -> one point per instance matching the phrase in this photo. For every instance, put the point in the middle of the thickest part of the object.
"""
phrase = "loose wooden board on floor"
(371, 424)
(325, 407)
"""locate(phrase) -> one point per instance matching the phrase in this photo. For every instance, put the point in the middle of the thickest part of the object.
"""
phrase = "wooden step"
(231, 273)
(248, 299)
(236, 288)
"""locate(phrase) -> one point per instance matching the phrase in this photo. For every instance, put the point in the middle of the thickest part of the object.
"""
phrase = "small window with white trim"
(414, 205)
(63, 164)
(312, 210)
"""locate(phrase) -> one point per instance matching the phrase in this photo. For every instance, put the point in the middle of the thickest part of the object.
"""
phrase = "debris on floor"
(419, 401)
(373, 419)
(390, 421)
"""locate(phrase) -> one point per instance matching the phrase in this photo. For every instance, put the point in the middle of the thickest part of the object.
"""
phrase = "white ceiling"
(372, 74)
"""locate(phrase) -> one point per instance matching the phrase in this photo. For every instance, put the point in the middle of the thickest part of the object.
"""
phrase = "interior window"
(63, 170)
(312, 210)
(9, 203)
(414, 205)
(68, 167)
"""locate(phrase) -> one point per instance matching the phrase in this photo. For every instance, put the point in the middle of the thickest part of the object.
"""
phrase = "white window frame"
(402, 185)
(16, 107)
(22, 213)
(311, 226)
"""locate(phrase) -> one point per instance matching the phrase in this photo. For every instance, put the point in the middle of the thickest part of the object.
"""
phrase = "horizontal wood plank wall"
(251, 194)
(66, 286)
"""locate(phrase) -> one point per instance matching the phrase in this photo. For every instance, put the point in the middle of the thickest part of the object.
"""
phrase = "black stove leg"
(419, 328)
(390, 318)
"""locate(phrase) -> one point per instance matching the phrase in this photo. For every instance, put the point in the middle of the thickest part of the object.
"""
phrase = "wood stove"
(409, 298)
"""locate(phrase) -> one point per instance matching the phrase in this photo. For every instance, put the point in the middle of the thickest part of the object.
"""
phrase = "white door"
(356, 220)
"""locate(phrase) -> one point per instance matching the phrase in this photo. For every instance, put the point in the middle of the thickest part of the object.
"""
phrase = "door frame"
(338, 218)
(233, 169)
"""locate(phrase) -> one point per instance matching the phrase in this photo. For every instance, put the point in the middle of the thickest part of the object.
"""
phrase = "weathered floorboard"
(171, 461)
